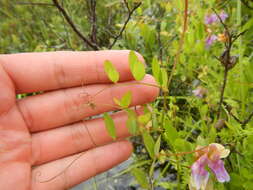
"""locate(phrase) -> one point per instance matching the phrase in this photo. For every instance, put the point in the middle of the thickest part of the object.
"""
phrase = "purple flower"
(210, 40)
(210, 19)
(223, 16)
(213, 18)
(199, 92)
(199, 175)
(219, 171)
(209, 156)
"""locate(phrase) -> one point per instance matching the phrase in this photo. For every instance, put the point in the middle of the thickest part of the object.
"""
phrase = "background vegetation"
(172, 35)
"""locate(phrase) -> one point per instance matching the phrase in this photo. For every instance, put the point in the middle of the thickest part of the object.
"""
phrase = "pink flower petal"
(219, 170)
(199, 174)
(210, 19)
(210, 40)
(223, 16)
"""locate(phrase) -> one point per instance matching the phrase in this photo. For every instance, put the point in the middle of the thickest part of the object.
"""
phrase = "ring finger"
(75, 138)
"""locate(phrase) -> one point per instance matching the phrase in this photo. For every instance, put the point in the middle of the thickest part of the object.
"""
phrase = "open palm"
(41, 135)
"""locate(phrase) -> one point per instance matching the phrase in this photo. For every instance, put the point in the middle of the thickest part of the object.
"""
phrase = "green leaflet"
(145, 118)
(110, 126)
(125, 101)
(157, 145)
(137, 67)
(111, 71)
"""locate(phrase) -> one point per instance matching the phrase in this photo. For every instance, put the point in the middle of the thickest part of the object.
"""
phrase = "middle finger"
(65, 106)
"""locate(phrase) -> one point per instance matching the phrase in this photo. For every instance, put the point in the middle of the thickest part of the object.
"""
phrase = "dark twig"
(229, 110)
(93, 19)
(238, 35)
(244, 122)
(130, 12)
(158, 28)
(222, 91)
(73, 26)
(248, 119)
(127, 5)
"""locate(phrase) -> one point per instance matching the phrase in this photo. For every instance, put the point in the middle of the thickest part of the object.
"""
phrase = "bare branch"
(238, 35)
(130, 12)
(127, 5)
(248, 119)
(222, 91)
(244, 122)
(73, 26)
(93, 20)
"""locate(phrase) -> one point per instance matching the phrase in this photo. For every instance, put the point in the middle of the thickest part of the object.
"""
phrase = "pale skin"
(41, 135)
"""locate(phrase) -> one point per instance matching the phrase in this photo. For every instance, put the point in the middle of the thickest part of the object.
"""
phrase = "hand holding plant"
(40, 135)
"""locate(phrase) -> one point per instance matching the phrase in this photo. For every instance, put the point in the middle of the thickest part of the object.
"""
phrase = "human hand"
(41, 135)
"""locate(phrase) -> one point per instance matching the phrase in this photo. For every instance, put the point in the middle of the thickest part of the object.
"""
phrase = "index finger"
(32, 72)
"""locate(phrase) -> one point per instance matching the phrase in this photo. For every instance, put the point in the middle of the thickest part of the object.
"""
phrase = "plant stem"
(178, 174)
(73, 26)
(181, 43)
(240, 52)
(130, 12)
(222, 91)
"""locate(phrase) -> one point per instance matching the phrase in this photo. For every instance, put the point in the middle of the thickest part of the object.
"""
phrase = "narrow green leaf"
(132, 122)
(157, 146)
(137, 67)
(156, 70)
(141, 177)
(164, 78)
(110, 126)
(111, 71)
(149, 143)
(155, 124)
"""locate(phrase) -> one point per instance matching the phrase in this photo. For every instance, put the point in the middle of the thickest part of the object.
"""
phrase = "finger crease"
(26, 115)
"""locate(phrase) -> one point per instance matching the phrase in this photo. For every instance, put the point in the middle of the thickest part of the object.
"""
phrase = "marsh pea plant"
(204, 147)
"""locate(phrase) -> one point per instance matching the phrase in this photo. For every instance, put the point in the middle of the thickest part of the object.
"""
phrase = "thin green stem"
(240, 52)
(178, 174)
(181, 43)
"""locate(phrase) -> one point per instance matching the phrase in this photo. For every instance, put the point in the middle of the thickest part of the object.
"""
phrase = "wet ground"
(105, 181)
